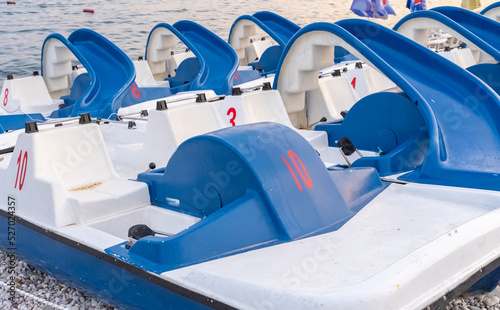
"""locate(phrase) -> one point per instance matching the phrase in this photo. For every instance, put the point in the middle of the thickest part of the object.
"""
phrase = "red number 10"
(20, 176)
(304, 176)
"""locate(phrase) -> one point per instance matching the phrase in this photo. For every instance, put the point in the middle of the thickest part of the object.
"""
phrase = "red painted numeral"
(135, 91)
(232, 111)
(6, 98)
(353, 83)
(304, 176)
(21, 175)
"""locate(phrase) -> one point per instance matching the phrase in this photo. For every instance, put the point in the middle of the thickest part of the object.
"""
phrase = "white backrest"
(334, 95)
(300, 68)
(253, 107)
(26, 95)
(417, 30)
(160, 45)
(359, 78)
(493, 13)
(57, 68)
(75, 73)
(175, 60)
(265, 106)
(76, 156)
(462, 57)
(255, 50)
(367, 80)
(190, 120)
(143, 75)
(167, 129)
(378, 81)
(240, 39)
(48, 166)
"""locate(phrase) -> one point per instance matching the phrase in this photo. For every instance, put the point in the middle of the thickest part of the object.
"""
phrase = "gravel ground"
(477, 302)
(36, 290)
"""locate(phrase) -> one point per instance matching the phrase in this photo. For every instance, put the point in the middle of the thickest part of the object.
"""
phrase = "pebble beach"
(36, 290)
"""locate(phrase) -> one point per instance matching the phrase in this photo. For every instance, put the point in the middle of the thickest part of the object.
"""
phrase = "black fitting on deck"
(161, 105)
(30, 127)
(85, 119)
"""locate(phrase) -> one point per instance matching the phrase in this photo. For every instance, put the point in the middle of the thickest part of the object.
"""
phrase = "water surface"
(24, 26)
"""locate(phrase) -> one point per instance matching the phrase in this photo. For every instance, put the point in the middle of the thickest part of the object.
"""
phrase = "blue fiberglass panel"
(92, 274)
(483, 27)
(112, 70)
(220, 61)
(243, 76)
(278, 28)
(192, 74)
(394, 127)
(461, 113)
(358, 186)
(459, 27)
(109, 81)
(17, 121)
(488, 73)
(255, 185)
(79, 87)
(268, 60)
(187, 70)
(65, 112)
(281, 27)
(216, 62)
(393, 119)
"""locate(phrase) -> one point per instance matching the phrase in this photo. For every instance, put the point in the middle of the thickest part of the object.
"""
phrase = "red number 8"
(135, 92)
(6, 98)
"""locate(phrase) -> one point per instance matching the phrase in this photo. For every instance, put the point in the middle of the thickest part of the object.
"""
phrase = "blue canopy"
(372, 8)
(416, 5)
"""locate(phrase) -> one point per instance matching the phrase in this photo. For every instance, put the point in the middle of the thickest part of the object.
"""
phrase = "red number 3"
(6, 98)
(232, 111)
(21, 175)
(304, 176)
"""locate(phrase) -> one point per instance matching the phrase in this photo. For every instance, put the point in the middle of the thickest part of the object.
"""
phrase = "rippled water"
(24, 26)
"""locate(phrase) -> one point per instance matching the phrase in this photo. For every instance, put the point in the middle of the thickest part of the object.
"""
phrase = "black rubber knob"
(140, 231)
(152, 166)
(346, 145)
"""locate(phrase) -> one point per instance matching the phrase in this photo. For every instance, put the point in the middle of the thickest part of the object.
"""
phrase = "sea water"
(127, 23)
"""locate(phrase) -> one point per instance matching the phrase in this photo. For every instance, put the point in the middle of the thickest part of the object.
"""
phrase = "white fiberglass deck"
(406, 241)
